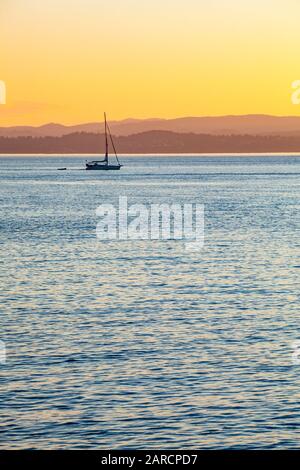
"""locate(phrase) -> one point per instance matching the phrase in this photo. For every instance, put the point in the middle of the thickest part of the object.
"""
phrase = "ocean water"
(143, 344)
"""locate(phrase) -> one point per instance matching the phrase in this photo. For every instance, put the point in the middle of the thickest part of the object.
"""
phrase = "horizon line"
(163, 155)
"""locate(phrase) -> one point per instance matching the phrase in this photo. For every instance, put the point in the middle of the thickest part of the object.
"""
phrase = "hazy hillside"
(150, 142)
(223, 125)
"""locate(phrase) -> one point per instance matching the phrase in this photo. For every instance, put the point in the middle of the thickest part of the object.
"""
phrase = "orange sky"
(68, 60)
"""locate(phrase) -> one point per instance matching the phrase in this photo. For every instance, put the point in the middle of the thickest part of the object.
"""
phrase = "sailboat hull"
(102, 167)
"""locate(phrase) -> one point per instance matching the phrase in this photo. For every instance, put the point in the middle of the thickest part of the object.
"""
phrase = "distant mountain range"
(253, 124)
(241, 134)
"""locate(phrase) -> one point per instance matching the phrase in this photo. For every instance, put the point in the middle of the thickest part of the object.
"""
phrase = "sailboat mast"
(106, 140)
(112, 143)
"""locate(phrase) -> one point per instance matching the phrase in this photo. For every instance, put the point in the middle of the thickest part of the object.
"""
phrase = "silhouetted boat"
(104, 164)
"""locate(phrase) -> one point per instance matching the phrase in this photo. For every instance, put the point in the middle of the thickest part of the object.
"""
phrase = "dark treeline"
(150, 142)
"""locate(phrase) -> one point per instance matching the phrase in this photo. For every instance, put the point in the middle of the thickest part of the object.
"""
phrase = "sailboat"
(104, 164)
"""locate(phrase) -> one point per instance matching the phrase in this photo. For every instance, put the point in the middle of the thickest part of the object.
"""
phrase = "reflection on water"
(141, 344)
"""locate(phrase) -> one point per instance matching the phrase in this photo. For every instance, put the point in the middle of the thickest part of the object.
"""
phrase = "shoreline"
(161, 155)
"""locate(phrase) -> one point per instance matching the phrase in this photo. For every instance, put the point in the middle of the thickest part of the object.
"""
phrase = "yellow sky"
(68, 60)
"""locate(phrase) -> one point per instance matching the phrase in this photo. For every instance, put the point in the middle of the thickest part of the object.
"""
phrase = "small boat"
(104, 164)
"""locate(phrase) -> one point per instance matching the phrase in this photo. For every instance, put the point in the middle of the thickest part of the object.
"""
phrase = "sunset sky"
(68, 60)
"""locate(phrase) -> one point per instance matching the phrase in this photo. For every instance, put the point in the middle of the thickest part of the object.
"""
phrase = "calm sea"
(142, 344)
